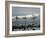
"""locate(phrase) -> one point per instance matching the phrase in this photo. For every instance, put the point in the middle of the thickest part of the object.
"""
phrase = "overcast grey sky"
(23, 11)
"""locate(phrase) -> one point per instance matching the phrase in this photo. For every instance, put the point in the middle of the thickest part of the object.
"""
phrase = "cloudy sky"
(23, 11)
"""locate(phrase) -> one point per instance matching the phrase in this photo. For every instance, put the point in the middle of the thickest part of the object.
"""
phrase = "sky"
(23, 11)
